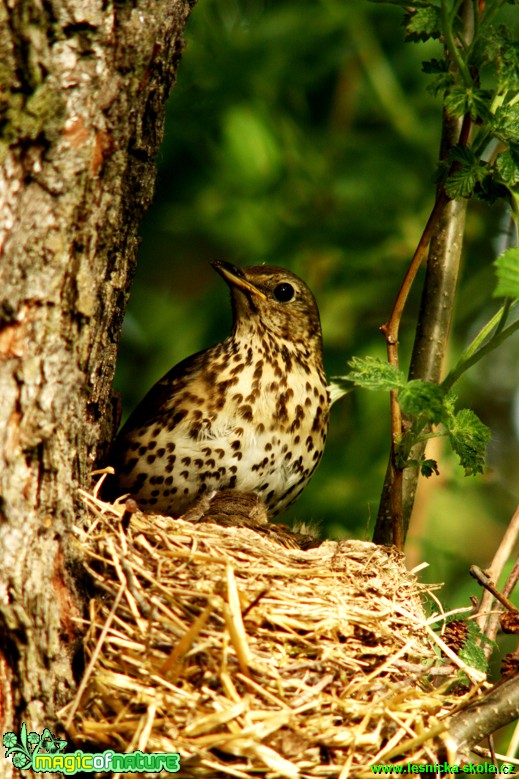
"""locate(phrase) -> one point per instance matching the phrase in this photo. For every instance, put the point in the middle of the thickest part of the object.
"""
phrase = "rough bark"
(83, 85)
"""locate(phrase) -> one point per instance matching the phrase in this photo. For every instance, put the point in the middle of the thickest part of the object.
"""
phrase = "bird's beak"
(236, 278)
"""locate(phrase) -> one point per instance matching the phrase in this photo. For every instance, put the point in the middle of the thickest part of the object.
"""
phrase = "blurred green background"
(301, 133)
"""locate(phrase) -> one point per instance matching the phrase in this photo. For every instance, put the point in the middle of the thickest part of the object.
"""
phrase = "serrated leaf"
(472, 652)
(468, 437)
(507, 164)
(464, 180)
(422, 398)
(498, 46)
(507, 272)
(461, 183)
(475, 102)
(422, 24)
(478, 103)
(463, 154)
(508, 67)
(456, 101)
(505, 123)
(374, 374)
(440, 84)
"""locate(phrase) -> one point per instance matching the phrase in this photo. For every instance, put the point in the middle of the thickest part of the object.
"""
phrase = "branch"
(498, 708)
(467, 361)
(444, 234)
(489, 622)
(389, 527)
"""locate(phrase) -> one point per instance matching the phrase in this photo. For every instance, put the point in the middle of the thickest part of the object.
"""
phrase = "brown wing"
(162, 397)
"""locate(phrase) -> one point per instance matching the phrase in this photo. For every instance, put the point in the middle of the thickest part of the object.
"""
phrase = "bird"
(248, 414)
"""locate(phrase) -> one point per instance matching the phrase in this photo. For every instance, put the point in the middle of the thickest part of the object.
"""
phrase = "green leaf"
(478, 103)
(507, 164)
(456, 101)
(440, 84)
(507, 272)
(472, 651)
(422, 24)
(449, 404)
(475, 102)
(505, 123)
(468, 437)
(463, 154)
(497, 46)
(471, 172)
(422, 398)
(374, 374)
(461, 183)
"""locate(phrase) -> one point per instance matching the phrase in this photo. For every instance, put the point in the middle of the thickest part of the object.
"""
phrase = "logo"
(46, 753)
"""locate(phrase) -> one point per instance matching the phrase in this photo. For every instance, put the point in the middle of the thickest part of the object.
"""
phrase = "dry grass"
(252, 659)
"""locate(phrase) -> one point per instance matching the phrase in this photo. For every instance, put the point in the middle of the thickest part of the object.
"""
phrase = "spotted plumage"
(250, 413)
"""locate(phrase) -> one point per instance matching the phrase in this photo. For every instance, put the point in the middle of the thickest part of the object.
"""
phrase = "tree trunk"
(84, 85)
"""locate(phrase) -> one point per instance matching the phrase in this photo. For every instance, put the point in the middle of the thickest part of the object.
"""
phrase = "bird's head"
(275, 302)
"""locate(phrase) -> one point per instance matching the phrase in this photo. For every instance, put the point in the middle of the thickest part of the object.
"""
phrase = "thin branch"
(463, 365)
(482, 752)
(512, 580)
(442, 237)
(391, 328)
(489, 622)
(390, 529)
(452, 48)
(489, 585)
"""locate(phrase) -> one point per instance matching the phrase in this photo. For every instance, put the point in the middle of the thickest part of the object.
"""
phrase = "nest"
(250, 658)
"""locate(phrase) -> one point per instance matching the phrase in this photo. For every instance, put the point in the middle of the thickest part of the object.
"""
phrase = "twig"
(391, 327)
(463, 365)
(488, 584)
(489, 622)
(512, 580)
(390, 529)
(482, 752)
(442, 234)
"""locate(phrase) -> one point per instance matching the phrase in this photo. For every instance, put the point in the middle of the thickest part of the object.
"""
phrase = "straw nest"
(249, 658)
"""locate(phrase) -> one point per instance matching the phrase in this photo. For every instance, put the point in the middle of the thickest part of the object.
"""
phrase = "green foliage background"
(301, 133)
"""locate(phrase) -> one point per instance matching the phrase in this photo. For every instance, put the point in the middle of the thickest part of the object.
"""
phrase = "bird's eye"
(284, 292)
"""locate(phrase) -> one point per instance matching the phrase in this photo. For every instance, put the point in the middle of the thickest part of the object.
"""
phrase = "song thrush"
(250, 413)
